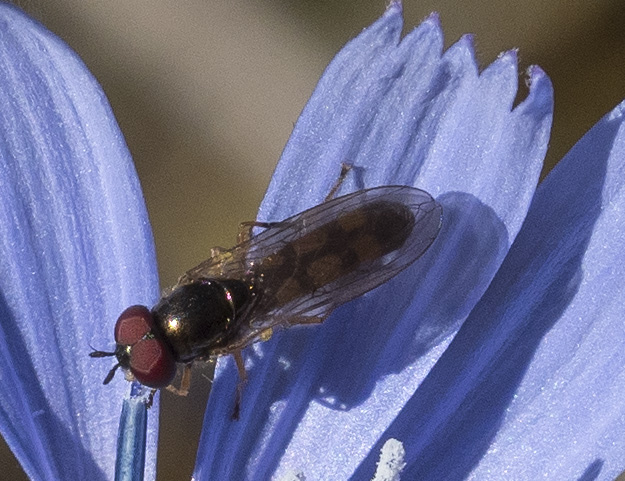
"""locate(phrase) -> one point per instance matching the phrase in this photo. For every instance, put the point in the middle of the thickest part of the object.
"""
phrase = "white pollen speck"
(391, 462)
(284, 362)
(293, 476)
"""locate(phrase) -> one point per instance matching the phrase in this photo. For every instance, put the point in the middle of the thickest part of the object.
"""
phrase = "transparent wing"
(305, 266)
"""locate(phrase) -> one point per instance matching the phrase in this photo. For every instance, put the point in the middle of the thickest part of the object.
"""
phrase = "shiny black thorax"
(202, 316)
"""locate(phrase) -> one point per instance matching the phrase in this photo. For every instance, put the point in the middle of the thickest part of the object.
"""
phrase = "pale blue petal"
(532, 386)
(566, 312)
(402, 113)
(75, 249)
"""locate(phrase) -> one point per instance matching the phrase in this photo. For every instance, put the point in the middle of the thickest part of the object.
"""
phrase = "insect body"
(294, 272)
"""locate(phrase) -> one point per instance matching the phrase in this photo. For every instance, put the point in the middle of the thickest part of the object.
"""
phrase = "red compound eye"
(152, 363)
(140, 349)
(134, 323)
(150, 360)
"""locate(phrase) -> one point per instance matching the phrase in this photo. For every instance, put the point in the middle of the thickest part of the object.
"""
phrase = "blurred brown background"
(207, 91)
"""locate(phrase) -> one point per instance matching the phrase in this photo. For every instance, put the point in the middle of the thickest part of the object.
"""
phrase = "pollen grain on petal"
(391, 462)
(293, 476)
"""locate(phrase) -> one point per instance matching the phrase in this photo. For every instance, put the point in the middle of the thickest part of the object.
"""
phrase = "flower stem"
(131, 437)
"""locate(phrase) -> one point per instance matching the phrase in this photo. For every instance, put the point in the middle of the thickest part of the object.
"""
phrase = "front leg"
(302, 320)
(345, 168)
(238, 359)
(185, 382)
(246, 228)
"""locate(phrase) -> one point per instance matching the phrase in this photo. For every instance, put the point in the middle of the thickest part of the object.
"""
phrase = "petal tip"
(467, 41)
(463, 53)
(537, 79)
(540, 97)
(395, 7)
(617, 112)
(509, 56)
(535, 72)
(433, 18)
(431, 25)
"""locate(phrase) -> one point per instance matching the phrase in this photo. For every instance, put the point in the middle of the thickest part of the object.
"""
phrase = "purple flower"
(75, 249)
(498, 355)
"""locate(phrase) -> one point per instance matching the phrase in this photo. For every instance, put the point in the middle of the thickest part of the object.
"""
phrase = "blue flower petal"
(531, 387)
(402, 113)
(75, 249)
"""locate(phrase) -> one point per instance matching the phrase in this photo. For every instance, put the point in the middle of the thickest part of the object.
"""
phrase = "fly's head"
(140, 352)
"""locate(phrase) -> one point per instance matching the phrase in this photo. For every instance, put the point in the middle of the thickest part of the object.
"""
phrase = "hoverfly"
(296, 271)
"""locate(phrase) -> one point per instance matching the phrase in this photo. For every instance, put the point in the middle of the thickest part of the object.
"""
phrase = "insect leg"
(245, 229)
(150, 400)
(294, 321)
(238, 359)
(185, 382)
(345, 168)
